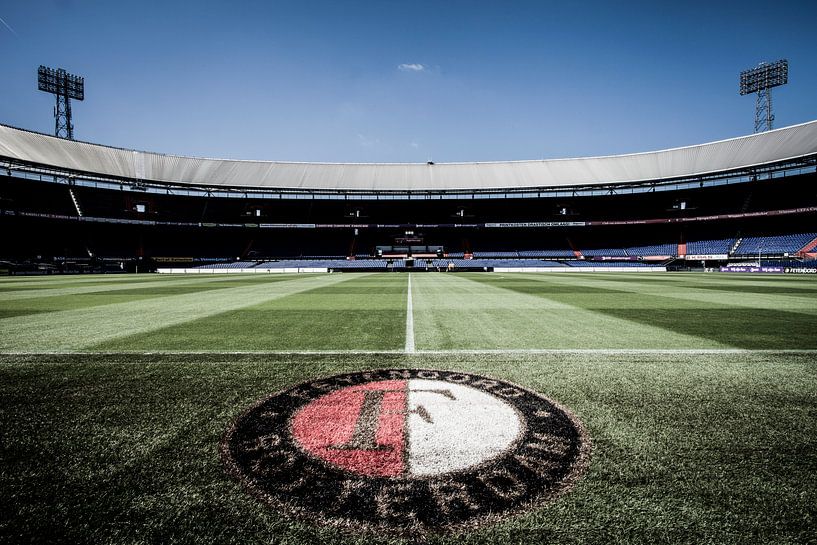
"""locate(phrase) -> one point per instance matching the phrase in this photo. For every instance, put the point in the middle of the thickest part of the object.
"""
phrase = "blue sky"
(405, 81)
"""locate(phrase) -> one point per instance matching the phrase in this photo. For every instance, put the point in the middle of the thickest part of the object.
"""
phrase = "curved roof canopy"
(737, 153)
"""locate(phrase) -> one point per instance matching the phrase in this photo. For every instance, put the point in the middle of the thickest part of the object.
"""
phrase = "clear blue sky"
(413, 80)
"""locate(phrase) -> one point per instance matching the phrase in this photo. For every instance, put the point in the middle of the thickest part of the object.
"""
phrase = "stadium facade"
(68, 205)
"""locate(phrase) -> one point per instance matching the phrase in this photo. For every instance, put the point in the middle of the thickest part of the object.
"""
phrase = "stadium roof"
(775, 146)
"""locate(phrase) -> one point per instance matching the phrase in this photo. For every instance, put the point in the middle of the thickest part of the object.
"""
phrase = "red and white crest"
(410, 428)
(407, 450)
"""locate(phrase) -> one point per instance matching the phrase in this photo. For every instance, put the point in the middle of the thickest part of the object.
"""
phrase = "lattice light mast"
(64, 86)
(761, 80)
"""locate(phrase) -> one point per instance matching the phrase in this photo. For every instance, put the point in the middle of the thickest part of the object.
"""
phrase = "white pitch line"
(409, 320)
(452, 352)
(619, 351)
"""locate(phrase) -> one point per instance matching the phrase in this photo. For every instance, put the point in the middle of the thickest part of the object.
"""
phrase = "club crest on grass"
(406, 451)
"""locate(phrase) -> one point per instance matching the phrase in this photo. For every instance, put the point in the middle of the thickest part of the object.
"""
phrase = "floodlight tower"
(64, 86)
(760, 80)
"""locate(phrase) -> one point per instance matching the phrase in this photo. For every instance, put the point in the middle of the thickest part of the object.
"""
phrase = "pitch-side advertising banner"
(801, 270)
(704, 257)
(772, 270)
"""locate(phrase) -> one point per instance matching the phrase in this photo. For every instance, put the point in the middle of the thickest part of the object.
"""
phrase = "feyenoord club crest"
(406, 451)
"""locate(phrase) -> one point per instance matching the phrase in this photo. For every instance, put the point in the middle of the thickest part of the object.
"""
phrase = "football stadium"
(567, 278)
(608, 349)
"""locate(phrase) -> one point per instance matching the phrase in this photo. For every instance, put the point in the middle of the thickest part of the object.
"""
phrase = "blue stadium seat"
(774, 245)
(605, 252)
(710, 247)
(655, 249)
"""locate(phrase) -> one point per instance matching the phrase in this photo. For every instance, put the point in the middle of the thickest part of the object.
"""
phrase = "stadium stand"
(420, 264)
(770, 245)
(235, 265)
(326, 263)
(654, 249)
(76, 207)
(710, 247)
(810, 263)
(546, 253)
(495, 255)
(507, 263)
(612, 264)
(605, 252)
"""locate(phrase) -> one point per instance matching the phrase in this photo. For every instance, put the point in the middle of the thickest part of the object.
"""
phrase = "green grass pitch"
(699, 392)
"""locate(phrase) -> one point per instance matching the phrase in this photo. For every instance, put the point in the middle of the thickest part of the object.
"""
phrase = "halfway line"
(409, 321)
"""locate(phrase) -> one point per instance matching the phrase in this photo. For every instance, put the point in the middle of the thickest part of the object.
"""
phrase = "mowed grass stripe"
(477, 311)
(77, 279)
(72, 288)
(666, 307)
(364, 312)
(80, 328)
(113, 278)
(773, 284)
(21, 307)
(699, 288)
(9, 283)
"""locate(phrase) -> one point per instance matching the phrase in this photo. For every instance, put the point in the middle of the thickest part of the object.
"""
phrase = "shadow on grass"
(738, 327)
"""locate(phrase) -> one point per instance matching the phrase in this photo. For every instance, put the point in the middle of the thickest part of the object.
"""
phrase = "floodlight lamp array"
(61, 83)
(764, 76)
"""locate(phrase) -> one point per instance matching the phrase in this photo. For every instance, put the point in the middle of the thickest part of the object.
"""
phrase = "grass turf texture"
(368, 312)
(116, 445)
